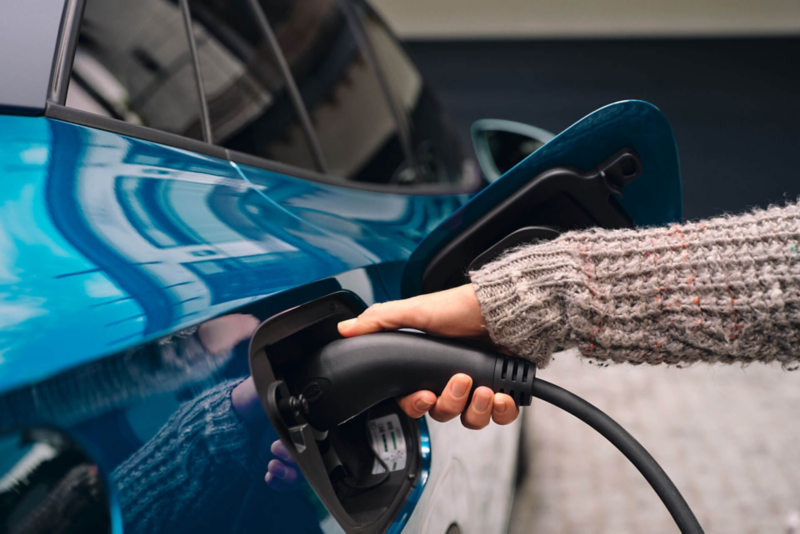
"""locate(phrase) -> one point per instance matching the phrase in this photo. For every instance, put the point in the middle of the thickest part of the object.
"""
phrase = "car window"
(249, 107)
(356, 129)
(437, 147)
(133, 63)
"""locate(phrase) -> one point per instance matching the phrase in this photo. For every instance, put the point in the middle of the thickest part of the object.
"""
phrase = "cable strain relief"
(514, 377)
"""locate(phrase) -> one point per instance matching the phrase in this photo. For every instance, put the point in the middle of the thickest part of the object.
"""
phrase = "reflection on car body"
(197, 167)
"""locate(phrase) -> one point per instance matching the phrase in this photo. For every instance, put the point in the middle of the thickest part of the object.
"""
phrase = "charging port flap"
(362, 470)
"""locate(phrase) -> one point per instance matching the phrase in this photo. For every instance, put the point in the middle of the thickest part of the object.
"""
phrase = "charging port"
(364, 469)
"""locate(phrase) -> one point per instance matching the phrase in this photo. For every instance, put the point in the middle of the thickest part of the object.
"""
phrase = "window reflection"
(133, 64)
(249, 107)
(176, 212)
(353, 122)
(437, 148)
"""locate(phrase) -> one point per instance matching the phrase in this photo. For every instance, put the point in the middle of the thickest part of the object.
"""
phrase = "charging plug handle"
(347, 376)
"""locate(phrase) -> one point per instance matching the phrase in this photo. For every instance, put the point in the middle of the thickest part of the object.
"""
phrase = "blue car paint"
(408, 508)
(109, 241)
(89, 273)
(122, 424)
(653, 198)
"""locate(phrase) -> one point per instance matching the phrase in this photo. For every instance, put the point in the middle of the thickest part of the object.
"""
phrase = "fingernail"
(481, 401)
(268, 477)
(348, 323)
(423, 405)
(500, 406)
(460, 387)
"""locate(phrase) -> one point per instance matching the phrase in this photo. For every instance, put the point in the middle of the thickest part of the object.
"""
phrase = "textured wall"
(550, 18)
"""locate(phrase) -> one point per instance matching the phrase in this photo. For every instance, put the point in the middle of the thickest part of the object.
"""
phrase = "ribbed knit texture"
(723, 290)
(202, 450)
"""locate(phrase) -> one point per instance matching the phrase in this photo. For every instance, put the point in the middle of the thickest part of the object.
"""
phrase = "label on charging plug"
(388, 443)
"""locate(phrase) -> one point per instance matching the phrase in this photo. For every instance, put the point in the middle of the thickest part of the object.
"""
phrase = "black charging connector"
(348, 376)
(311, 383)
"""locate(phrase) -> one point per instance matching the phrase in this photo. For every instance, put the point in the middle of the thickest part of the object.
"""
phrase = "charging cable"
(627, 445)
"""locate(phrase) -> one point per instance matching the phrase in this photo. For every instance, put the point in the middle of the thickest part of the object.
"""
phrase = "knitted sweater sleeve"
(200, 453)
(722, 290)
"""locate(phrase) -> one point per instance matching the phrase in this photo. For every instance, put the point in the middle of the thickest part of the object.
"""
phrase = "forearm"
(725, 290)
(203, 449)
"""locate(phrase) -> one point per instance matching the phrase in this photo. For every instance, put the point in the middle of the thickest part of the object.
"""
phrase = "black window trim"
(55, 108)
(66, 45)
(92, 120)
(205, 119)
(367, 7)
(294, 93)
(403, 129)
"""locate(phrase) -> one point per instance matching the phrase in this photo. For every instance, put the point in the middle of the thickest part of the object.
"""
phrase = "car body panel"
(87, 281)
(130, 240)
(126, 264)
(120, 257)
(117, 249)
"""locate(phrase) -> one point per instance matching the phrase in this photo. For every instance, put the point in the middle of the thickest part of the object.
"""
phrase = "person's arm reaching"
(723, 290)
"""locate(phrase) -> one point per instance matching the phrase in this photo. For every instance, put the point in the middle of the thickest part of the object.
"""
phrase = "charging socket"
(341, 463)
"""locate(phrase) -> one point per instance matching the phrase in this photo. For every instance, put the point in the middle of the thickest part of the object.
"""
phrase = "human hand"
(282, 475)
(450, 313)
(219, 336)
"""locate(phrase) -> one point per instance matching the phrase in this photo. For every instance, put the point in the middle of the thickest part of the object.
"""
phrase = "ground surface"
(728, 437)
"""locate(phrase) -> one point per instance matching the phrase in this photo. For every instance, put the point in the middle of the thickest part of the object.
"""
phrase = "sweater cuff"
(523, 298)
(201, 451)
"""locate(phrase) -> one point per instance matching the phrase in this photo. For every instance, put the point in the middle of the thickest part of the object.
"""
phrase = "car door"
(145, 253)
(141, 338)
(147, 248)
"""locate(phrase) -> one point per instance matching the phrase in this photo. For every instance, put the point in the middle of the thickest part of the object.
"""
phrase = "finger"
(277, 484)
(274, 483)
(246, 403)
(280, 450)
(417, 404)
(282, 472)
(479, 413)
(453, 399)
(505, 411)
(393, 315)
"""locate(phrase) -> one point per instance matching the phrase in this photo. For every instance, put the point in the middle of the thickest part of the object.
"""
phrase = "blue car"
(178, 173)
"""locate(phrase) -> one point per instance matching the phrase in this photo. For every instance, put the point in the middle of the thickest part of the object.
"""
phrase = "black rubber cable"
(627, 445)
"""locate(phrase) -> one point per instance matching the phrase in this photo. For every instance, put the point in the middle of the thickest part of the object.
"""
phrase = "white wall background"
(433, 19)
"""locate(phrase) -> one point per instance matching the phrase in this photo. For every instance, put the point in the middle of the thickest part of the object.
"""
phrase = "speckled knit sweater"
(199, 454)
(722, 290)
